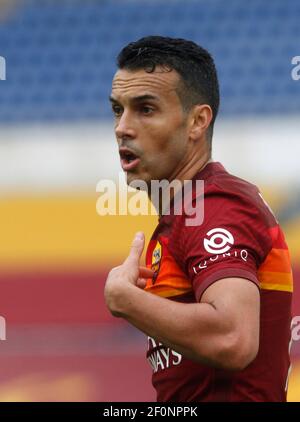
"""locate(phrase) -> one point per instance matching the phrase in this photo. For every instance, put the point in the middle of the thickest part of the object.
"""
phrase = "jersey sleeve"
(232, 241)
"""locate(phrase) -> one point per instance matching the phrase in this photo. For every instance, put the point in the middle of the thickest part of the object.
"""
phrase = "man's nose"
(124, 127)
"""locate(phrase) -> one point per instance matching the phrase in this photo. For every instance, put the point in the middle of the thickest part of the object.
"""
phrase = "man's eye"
(117, 110)
(147, 109)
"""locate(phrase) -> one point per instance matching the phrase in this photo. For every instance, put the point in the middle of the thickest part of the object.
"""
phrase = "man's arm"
(222, 330)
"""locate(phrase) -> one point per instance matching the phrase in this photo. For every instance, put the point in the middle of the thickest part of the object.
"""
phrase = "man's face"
(150, 124)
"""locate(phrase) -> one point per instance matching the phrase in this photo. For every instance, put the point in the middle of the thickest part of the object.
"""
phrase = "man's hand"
(212, 332)
(129, 274)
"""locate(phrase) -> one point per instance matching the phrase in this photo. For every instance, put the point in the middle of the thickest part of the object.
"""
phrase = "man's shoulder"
(219, 183)
(216, 177)
(228, 194)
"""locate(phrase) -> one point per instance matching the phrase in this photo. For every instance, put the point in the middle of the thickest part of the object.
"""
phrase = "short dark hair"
(193, 63)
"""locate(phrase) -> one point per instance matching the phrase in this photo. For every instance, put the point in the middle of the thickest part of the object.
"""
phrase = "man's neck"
(185, 173)
(191, 168)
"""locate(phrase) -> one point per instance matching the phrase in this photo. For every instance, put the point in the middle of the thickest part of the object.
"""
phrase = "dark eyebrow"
(112, 99)
(138, 99)
(146, 97)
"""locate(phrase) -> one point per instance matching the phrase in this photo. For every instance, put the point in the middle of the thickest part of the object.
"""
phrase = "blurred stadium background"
(56, 142)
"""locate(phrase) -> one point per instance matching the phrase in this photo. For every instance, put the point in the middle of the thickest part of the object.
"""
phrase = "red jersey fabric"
(239, 237)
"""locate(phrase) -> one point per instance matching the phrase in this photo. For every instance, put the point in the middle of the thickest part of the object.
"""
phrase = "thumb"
(136, 250)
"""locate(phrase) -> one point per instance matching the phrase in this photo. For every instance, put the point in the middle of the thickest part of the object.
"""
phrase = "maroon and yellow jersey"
(239, 237)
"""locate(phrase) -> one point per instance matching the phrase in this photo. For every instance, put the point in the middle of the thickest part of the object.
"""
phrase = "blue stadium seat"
(61, 55)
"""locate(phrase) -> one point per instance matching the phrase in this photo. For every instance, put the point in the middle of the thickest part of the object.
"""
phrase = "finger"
(141, 283)
(145, 272)
(136, 250)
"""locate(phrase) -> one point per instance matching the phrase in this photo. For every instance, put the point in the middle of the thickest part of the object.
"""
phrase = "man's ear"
(201, 117)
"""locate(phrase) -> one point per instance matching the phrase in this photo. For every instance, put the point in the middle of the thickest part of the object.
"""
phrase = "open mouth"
(128, 159)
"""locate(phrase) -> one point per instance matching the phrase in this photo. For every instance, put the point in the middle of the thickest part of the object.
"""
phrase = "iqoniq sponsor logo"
(218, 241)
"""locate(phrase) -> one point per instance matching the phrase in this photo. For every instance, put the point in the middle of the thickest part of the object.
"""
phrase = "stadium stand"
(61, 58)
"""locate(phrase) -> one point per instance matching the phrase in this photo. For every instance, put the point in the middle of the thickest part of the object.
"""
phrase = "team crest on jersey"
(156, 260)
